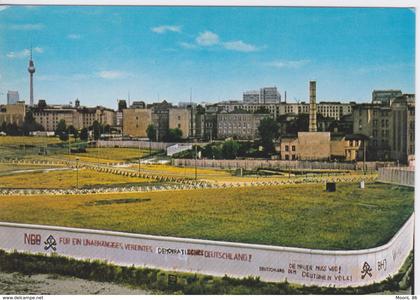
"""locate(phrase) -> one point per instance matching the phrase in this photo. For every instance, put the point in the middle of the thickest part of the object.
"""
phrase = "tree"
(151, 132)
(29, 124)
(61, 127)
(107, 129)
(64, 136)
(84, 134)
(61, 130)
(12, 129)
(173, 135)
(230, 149)
(268, 131)
(97, 129)
(72, 130)
(3, 127)
(207, 151)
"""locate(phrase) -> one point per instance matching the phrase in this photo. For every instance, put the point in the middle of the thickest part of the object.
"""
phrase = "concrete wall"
(400, 176)
(270, 263)
(143, 144)
(171, 150)
(135, 144)
(253, 164)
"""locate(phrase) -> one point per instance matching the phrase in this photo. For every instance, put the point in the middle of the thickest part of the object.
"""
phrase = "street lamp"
(364, 156)
(77, 172)
(195, 162)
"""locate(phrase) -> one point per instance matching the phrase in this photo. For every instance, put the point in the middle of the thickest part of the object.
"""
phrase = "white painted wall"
(270, 263)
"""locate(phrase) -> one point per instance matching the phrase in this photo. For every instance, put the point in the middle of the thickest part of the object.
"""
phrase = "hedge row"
(183, 283)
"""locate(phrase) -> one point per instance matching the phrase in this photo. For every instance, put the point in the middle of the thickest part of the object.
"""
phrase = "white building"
(251, 97)
(12, 97)
(269, 95)
(265, 95)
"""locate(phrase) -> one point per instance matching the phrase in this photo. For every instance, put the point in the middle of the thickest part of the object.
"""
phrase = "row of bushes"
(182, 283)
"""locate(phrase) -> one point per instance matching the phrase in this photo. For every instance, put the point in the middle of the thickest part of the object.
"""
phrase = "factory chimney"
(312, 106)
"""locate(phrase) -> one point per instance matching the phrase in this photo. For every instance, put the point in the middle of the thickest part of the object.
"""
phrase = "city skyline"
(104, 53)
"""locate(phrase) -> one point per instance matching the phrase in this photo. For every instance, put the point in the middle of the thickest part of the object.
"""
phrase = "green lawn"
(28, 140)
(65, 179)
(32, 147)
(112, 154)
(295, 215)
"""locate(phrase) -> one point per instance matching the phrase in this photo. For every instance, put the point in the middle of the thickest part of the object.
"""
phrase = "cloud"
(19, 54)
(207, 38)
(240, 46)
(164, 28)
(188, 45)
(106, 74)
(27, 27)
(61, 77)
(112, 74)
(74, 36)
(24, 53)
(291, 64)
(38, 50)
(4, 7)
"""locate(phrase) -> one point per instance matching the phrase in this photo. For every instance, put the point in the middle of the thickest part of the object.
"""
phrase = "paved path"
(47, 284)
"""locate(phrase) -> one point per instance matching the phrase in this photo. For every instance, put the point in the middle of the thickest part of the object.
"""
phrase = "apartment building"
(239, 125)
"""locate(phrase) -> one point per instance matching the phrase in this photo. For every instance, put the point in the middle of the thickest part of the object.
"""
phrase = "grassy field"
(181, 172)
(4, 168)
(299, 215)
(113, 154)
(28, 140)
(30, 147)
(225, 176)
(66, 179)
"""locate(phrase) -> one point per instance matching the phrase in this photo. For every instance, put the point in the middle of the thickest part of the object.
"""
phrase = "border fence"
(401, 176)
(248, 164)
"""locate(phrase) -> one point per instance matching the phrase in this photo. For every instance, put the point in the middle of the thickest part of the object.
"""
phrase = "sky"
(101, 54)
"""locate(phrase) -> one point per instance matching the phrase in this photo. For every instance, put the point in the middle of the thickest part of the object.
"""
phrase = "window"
(286, 157)
(286, 148)
(293, 157)
(293, 148)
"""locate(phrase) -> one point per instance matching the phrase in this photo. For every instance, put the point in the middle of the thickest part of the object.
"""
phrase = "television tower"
(31, 70)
